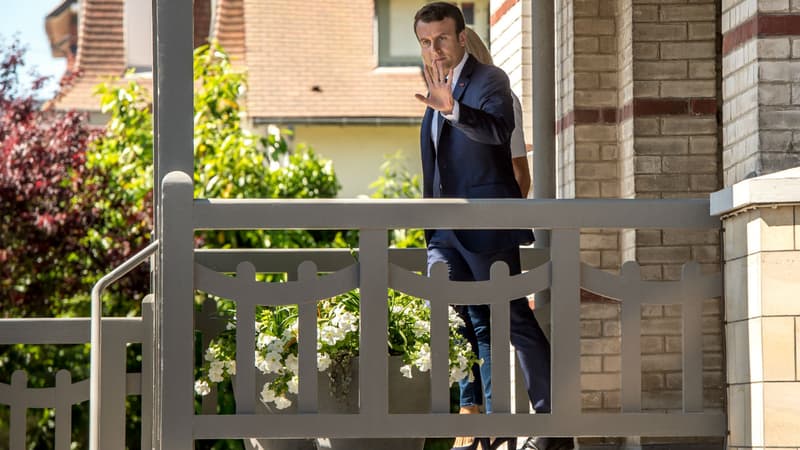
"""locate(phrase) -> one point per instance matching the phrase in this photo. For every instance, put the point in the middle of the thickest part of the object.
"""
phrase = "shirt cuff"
(452, 117)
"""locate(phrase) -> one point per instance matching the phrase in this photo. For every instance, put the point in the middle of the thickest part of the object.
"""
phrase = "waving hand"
(440, 94)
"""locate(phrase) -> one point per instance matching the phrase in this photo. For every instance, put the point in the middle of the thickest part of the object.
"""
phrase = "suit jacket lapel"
(463, 79)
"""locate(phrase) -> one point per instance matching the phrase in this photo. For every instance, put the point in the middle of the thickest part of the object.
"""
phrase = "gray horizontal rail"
(230, 214)
(329, 259)
(446, 425)
(64, 330)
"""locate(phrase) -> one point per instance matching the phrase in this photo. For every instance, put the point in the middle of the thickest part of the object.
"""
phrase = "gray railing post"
(245, 345)
(692, 312)
(500, 336)
(373, 280)
(17, 423)
(148, 367)
(112, 394)
(631, 335)
(63, 410)
(307, 345)
(566, 316)
(174, 316)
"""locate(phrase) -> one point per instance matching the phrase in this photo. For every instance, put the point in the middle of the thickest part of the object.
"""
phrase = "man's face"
(440, 44)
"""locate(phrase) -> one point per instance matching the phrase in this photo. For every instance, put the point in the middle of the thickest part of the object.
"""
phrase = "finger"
(423, 99)
(450, 76)
(437, 72)
(434, 76)
(426, 72)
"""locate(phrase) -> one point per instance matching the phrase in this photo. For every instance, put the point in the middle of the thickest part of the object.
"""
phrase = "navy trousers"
(530, 343)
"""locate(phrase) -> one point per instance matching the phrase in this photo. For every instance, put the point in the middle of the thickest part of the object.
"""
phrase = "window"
(396, 43)
(139, 35)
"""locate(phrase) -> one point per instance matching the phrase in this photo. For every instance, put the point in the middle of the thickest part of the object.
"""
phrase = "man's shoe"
(549, 443)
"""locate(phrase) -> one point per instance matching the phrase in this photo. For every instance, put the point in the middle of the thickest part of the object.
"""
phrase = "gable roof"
(308, 65)
(101, 53)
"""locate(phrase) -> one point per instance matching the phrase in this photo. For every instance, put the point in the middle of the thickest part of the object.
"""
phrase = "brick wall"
(511, 50)
(637, 99)
(636, 106)
(565, 106)
(674, 155)
(761, 89)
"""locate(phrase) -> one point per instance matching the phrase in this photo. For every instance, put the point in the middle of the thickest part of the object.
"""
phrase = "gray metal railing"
(186, 270)
(96, 356)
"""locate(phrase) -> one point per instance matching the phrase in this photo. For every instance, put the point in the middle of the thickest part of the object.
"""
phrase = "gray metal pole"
(173, 43)
(544, 113)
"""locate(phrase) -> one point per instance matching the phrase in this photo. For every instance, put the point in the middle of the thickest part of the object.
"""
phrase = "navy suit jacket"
(474, 154)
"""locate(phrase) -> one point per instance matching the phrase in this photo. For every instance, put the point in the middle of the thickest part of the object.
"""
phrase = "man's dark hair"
(437, 11)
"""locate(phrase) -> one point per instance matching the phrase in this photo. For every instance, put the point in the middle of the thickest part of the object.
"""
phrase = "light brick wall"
(511, 51)
(740, 94)
(761, 91)
(565, 87)
(600, 356)
(596, 144)
(636, 96)
(675, 148)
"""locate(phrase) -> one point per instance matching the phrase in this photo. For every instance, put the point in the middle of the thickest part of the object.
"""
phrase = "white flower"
(273, 362)
(454, 319)
(215, 374)
(202, 387)
(282, 402)
(290, 332)
(210, 356)
(261, 363)
(291, 363)
(276, 345)
(346, 321)
(423, 361)
(422, 327)
(323, 361)
(406, 371)
(264, 340)
(267, 394)
(230, 366)
(292, 384)
(328, 335)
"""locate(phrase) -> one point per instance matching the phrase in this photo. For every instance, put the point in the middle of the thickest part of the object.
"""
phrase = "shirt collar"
(457, 70)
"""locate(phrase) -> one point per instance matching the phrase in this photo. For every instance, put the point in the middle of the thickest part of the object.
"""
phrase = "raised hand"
(440, 94)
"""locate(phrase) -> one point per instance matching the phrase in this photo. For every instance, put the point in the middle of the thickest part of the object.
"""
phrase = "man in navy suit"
(465, 145)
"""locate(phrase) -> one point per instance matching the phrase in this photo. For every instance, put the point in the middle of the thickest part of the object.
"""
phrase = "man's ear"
(462, 38)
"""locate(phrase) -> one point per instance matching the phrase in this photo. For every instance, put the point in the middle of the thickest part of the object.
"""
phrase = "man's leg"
(533, 351)
(526, 335)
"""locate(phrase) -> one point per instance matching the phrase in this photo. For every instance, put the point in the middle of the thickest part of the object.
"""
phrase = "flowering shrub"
(337, 343)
